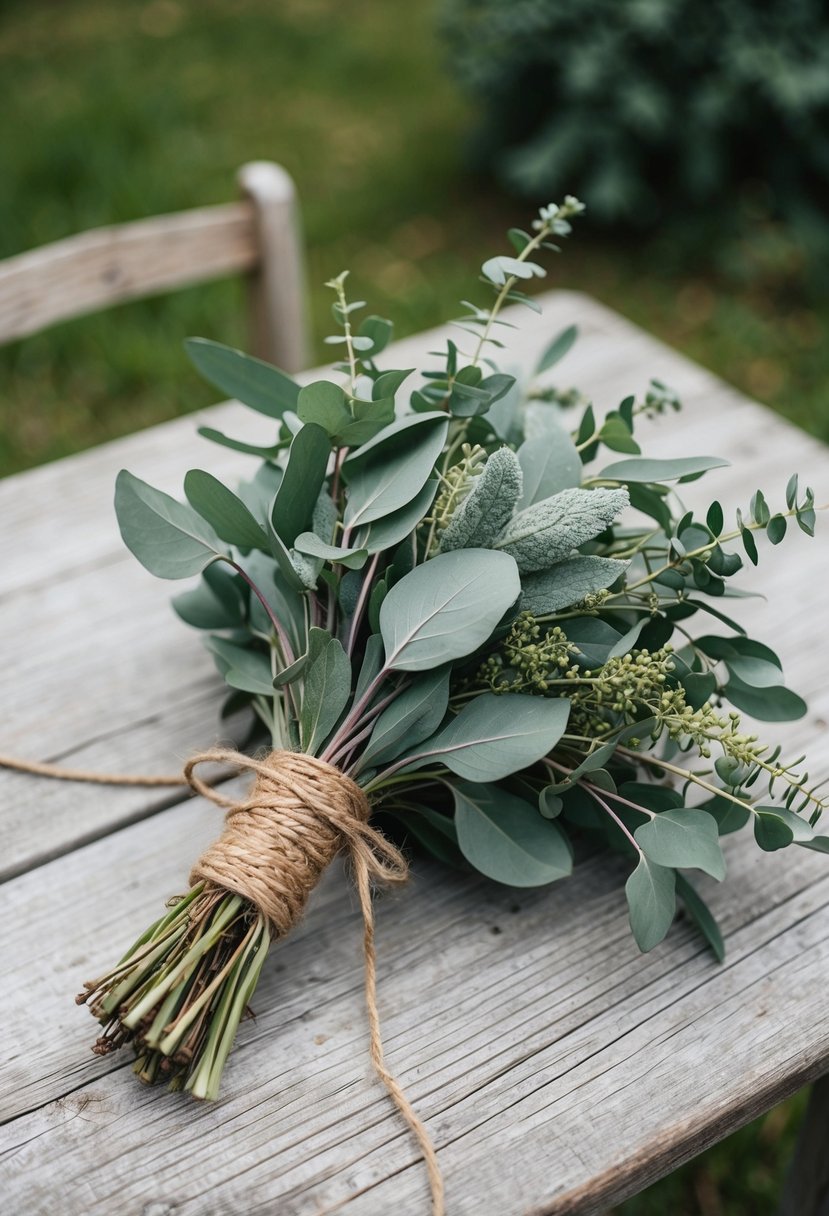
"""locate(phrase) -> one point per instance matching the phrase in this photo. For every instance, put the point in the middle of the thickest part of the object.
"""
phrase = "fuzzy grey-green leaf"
(550, 530)
(568, 582)
(488, 507)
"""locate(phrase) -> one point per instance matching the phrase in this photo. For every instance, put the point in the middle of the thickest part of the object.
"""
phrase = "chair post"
(277, 294)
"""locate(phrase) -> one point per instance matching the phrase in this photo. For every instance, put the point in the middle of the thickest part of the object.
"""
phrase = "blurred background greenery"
(117, 111)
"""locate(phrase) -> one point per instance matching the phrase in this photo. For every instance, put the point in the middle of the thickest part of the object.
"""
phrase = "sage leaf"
(568, 582)
(446, 608)
(256, 384)
(488, 507)
(507, 839)
(644, 469)
(412, 717)
(686, 838)
(226, 514)
(548, 531)
(494, 736)
(169, 538)
(325, 695)
(651, 896)
(699, 912)
(296, 498)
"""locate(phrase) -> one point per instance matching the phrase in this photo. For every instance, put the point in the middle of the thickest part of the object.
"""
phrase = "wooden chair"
(258, 236)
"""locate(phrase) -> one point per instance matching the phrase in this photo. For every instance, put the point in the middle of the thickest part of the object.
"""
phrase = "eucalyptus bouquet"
(463, 601)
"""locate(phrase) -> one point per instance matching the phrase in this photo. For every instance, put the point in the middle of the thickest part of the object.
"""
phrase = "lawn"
(116, 111)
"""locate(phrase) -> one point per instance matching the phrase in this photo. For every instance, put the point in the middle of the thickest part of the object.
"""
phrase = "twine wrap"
(276, 844)
(274, 848)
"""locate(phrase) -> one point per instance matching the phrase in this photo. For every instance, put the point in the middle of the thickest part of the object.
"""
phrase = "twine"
(275, 846)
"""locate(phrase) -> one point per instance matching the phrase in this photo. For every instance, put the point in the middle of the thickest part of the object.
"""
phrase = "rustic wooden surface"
(557, 1069)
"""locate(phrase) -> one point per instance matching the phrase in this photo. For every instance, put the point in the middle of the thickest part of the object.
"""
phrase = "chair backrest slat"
(105, 266)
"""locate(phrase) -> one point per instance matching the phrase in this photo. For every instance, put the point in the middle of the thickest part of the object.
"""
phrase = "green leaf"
(651, 896)
(775, 827)
(699, 912)
(256, 384)
(389, 531)
(557, 349)
(568, 582)
(686, 838)
(204, 609)
(506, 838)
(311, 545)
(548, 531)
(615, 434)
(372, 664)
(325, 694)
(324, 404)
(434, 831)
(379, 332)
(714, 518)
(494, 736)
(767, 704)
(499, 269)
(169, 539)
(242, 668)
(226, 514)
(549, 465)
(303, 479)
(412, 717)
(446, 608)
(549, 803)
(488, 506)
(776, 529)
(643, 469)
(390, 476)
(282, 593)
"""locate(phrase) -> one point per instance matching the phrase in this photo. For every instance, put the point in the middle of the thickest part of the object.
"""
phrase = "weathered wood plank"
(124, 262)
(144, 695)
(541, 1038)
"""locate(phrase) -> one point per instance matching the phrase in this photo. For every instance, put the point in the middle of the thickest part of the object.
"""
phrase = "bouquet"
(463, 602)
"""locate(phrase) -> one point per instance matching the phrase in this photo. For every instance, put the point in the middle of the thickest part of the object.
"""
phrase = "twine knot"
(276, 844)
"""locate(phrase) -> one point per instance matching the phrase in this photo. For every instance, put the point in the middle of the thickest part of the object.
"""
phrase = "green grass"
(118, 111)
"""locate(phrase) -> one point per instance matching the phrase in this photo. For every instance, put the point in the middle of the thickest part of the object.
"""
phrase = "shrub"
(650, 108)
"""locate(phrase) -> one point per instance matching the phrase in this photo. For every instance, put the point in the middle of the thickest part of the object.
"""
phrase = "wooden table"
(558, 1069)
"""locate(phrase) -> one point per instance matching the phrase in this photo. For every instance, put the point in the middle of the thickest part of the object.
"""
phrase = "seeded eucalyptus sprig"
(472, 597)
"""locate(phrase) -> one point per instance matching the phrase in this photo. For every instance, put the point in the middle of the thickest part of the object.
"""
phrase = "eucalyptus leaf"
(388, 480)
(775, 827)
(412, 717)
(169, 539)
(256, 384)
(651, 896)
(507, 839)
(296, 498)
(446, 608)
(311, 545)
(768, 704)
(549, 464)
(642, 469)
(683, 838)
(326, 691)
(494, 736)
(699, 912)
(324, 403)
(226, 514)
(389, 531)
(557, 349)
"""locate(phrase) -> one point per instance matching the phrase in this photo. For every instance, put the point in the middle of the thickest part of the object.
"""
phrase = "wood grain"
(124, 262)
(557, 1068)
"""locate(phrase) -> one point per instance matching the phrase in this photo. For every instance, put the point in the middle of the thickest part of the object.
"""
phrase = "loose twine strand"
(275, 846)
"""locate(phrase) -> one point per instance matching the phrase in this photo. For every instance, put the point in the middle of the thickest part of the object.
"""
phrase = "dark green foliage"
(652, 109)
